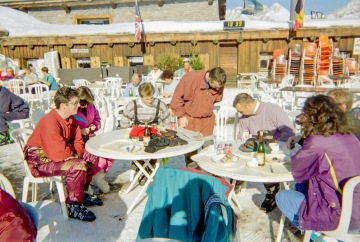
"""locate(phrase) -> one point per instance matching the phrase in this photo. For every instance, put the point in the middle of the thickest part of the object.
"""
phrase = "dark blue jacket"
(9, 102)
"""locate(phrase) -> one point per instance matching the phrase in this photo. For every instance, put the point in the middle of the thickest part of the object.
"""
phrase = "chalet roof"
(20, 24)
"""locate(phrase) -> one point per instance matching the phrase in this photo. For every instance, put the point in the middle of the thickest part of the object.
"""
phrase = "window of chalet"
(93, 20)
(265, 60)
(83, 63)
(135, 60)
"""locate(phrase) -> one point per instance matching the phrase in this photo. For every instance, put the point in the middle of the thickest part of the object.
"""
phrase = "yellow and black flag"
(299, 15)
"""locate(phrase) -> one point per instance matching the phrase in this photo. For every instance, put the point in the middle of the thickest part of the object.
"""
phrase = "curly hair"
(323, 116)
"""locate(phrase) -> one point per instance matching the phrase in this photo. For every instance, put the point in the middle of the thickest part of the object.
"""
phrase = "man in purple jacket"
(258, 116)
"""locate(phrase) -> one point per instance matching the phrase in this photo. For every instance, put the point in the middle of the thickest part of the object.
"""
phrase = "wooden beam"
(113, 5)
(66, 8)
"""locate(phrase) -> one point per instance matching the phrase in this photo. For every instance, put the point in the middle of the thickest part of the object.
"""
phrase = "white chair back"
(6, 185)
(341, 233)
(47, 100)
(222, 116)
(17, 86)
(114, 85)
(37, 89)
(81, 82)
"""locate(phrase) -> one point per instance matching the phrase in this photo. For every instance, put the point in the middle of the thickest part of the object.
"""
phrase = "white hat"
(186, 60)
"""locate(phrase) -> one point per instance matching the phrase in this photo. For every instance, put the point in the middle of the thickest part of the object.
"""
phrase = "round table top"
(108, 145)
(271, 172)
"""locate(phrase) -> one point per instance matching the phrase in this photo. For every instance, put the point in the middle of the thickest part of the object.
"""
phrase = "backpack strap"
(333, 174)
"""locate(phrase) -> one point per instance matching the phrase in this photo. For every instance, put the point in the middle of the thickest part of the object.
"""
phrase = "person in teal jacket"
(48, 79)
(187, 206)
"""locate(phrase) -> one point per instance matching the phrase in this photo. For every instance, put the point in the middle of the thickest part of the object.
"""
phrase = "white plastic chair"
(47, 100)
(222, 116)
(20, 136)
(17, 86)
(342, 233)
(113, 85)
(37, 89)
(49, 212)
(81, 82)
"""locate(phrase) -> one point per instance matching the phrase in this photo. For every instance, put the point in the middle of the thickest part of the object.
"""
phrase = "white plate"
(217, 159)
(127, 148)
(277, 158)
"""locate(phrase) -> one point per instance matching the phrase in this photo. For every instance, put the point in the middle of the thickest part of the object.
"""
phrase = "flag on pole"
(138, 27)
(299, 17)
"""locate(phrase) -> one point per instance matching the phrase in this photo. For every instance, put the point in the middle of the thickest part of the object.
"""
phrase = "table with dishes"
(119, 146)
(242, 166)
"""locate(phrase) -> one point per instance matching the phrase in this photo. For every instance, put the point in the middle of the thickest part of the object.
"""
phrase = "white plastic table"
(272, 172)
(108, 145)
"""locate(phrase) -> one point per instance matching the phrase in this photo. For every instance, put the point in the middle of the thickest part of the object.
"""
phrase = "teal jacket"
(176, 207)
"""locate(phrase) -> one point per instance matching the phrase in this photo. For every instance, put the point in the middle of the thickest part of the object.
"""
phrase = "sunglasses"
(74, 103)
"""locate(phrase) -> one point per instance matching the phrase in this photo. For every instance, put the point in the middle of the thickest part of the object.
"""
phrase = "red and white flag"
(138, 25)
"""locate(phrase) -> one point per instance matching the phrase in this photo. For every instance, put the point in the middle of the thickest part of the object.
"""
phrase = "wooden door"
(228, 61)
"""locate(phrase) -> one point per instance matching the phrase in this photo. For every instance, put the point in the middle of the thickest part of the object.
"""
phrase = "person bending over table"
(328, 158)
(145, 109)
(12, 107)
(193, 103)
(48, 79)
(89, 121)
(258, 116)
(170, 84)
(56, 148)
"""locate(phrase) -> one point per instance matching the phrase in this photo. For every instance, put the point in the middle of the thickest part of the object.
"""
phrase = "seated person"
(155, 73)
(9, 74)
(186, 69)
(48, 79)
(12, 107)
(146, 108)
(328, 158)
(56, 148)
(29, 77)
(89, 121)
(134, 86)
(345, 99)
(258, 116)
(170, 83)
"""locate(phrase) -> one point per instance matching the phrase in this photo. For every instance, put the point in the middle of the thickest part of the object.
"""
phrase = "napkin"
(188, 134)
(138, 131)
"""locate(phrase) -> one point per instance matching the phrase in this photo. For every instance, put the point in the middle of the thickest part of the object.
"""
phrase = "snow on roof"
(20, 24)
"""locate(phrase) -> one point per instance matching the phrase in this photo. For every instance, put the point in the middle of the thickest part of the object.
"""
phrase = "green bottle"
(130, 92)
(260, 156)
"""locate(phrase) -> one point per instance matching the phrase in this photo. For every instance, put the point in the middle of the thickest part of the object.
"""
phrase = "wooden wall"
(116, 49)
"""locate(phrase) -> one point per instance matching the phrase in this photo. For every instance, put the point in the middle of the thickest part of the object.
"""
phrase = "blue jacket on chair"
(176, 207)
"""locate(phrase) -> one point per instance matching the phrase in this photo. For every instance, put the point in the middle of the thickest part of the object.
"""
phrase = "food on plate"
(227, 158)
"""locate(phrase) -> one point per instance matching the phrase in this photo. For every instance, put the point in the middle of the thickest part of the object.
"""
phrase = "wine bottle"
(130, 92)
(260, 156)
(146, 134)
